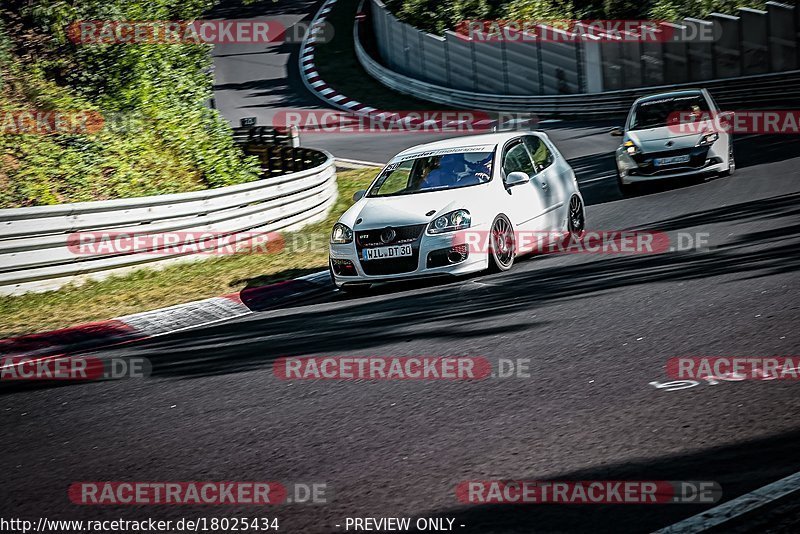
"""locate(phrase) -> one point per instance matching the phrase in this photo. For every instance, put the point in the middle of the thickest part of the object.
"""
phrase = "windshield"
(667, 111)
(434, 173)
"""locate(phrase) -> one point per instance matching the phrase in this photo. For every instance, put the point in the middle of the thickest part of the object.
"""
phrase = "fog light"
(457, 254)
(343, 267)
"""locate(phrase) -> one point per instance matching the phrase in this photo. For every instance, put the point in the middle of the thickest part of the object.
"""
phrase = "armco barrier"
(764, 90)
(688, 50)
(34, 253)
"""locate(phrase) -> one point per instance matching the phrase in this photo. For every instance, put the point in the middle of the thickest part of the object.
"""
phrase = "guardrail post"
(783, 31)
(676, 64)
(755, 54)
(592, 65)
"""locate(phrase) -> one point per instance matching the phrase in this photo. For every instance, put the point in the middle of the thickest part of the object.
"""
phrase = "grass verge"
(147, 289)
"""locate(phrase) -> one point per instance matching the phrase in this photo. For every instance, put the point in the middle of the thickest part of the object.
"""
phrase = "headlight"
(341, 234)
(631, 148)
(708, 139)
(450, 222)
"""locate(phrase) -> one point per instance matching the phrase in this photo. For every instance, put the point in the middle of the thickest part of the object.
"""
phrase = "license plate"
(660, 162)
(383, 253)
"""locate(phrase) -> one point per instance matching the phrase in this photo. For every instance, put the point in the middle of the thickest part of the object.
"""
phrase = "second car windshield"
(433, 173)
(665, 111)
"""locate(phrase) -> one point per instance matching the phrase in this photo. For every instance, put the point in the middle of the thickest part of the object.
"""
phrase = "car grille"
(697, 160)
(393, 266)
(403, 235)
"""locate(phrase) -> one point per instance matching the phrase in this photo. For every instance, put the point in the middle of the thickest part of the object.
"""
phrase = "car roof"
(670, 94)
(495, 138)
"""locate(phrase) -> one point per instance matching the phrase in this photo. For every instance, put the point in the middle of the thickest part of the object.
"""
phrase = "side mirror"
(617, 131)
(358, 195)
(516, 178)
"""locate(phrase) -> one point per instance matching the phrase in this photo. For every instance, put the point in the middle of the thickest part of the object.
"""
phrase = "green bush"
(160, 136)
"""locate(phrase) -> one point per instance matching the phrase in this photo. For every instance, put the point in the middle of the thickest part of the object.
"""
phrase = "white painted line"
(338, 98)
(318, 83)
(590, 180)
(735, 508)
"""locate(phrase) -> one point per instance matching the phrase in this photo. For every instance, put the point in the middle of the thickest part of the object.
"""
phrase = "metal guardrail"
(766, 90)
(35, 251)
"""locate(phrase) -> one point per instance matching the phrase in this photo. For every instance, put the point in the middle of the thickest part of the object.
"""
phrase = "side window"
(542, 157)
(516, 159)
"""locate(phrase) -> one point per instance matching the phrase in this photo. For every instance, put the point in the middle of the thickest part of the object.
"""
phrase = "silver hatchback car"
(675, 134)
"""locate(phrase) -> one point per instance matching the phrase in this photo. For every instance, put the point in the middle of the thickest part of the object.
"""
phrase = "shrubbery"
(439, 15)
(161, 136)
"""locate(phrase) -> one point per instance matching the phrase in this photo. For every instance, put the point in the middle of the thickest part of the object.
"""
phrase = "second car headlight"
(341, 234)
(708, 139)
(450, 222)
(631, 148)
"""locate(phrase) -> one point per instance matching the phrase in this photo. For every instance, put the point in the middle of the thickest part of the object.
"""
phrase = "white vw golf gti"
(412, 220)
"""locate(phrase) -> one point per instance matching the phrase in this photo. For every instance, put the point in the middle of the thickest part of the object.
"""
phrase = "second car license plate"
(382, 253)
(660, 162)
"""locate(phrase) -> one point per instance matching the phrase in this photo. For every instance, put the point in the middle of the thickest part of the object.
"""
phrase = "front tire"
(576, 218)
(627, 190)
(731, 161)
(502, 245)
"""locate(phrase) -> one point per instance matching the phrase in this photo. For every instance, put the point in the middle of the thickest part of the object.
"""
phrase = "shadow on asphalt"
(750, 152)
(739, 469)
(389, 315)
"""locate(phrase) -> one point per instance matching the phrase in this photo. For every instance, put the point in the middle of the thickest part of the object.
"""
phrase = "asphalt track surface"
(598, 330)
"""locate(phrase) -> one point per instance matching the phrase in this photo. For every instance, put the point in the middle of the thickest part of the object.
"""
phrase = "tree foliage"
(160, 135)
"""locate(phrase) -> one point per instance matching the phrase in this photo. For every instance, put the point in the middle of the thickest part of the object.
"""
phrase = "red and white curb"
(314, 83)
(153, 323)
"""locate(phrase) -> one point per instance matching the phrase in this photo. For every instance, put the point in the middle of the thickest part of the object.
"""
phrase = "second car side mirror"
(358, 195)
(516, 178)
(616, 131)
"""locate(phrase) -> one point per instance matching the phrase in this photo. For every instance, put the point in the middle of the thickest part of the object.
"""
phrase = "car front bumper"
(475, 261)
(704, 161)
